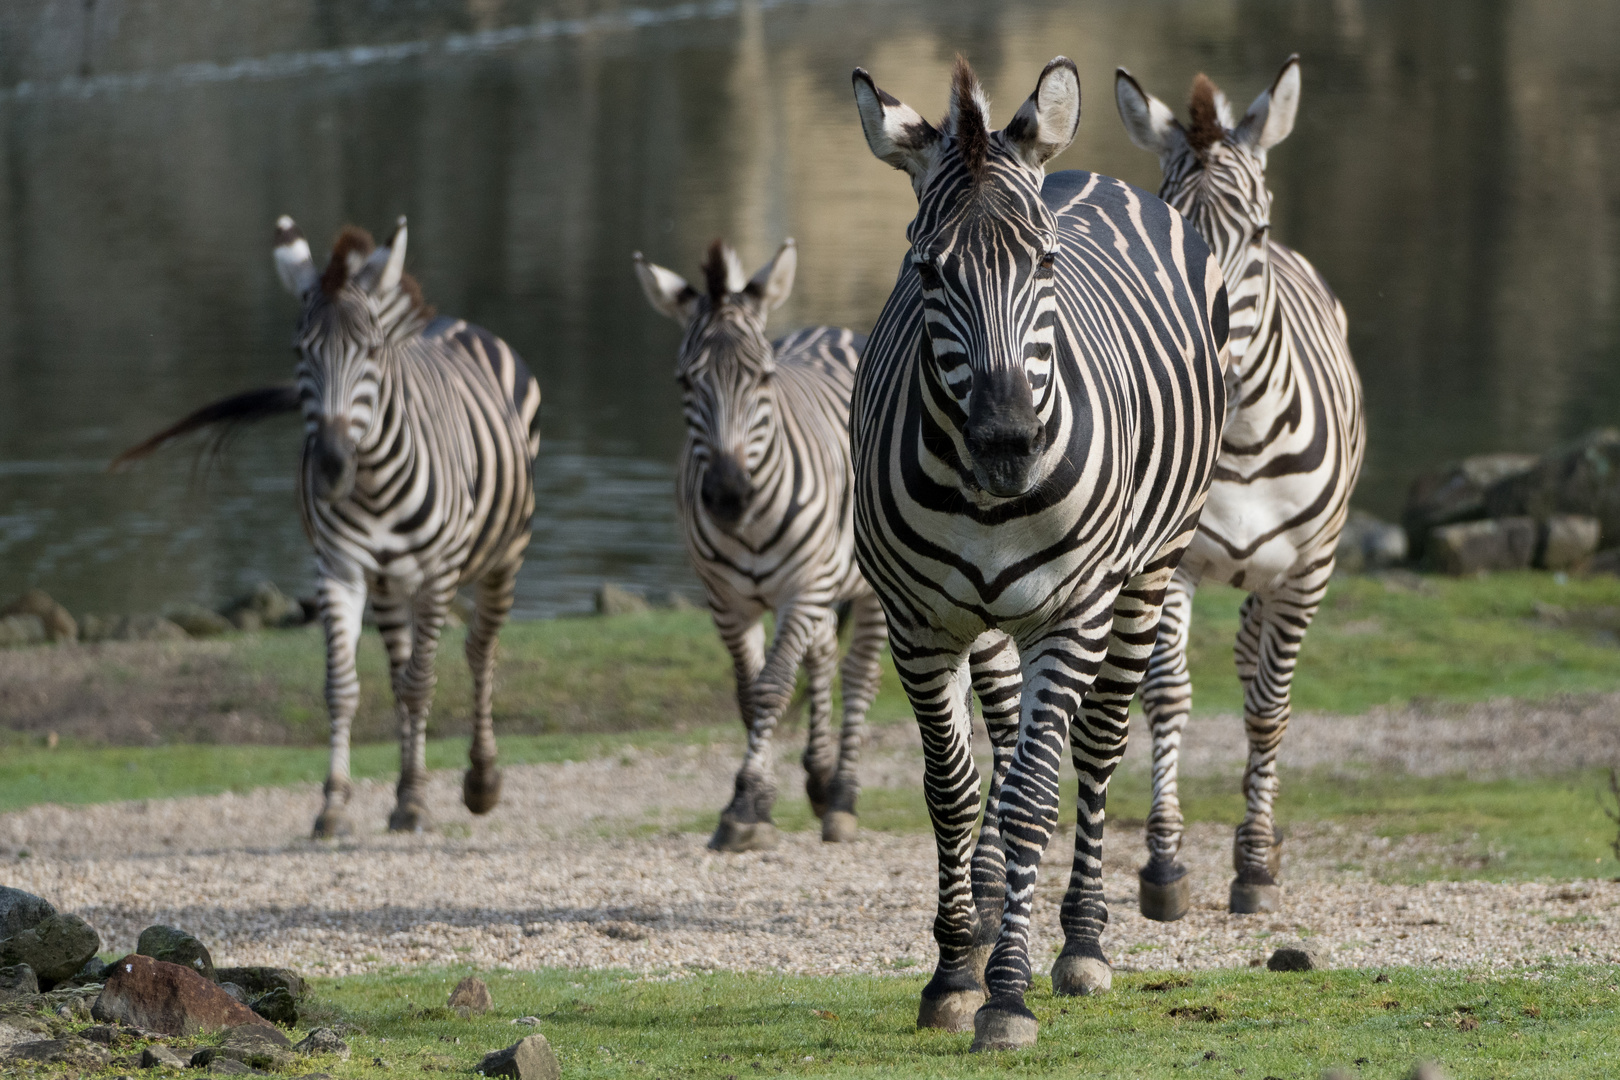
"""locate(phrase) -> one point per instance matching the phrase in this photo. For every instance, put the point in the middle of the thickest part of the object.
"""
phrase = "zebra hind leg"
(1164, 891)
(819, 760)
(481, 784)
(428, 610)
(859, 676)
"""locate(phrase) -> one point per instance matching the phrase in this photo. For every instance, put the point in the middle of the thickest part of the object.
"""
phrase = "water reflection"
(1452, 173)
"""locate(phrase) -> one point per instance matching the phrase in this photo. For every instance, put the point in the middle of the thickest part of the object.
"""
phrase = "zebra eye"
(928, 272)
(1048, 261)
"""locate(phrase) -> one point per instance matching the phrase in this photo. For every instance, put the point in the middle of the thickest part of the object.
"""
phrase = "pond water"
(1453, 174)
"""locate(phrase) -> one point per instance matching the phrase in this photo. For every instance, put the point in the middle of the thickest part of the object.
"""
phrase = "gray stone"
(21, 911)
(1605, 562)
(76, 1053)
(255, 1047)
(105, 1034)
(198, 621)
(174, 946)
(18, 981)
(1455, 492)
(526, 1059)
(270, 605)
(323, 1041)
(1581, 477)
(19, 630)
(1297, 956)
(1476, 546)
(219, 1064)
(471, 994)
(55, 948)
(1567, 541)
(276, 1006)
(1426, 1070)
(259, 979)
(130, 628)
(247, 621)
(94, 971)
(159, 1056)
(613, 600)
(1369, 543)
(235, 991)
(58, 623)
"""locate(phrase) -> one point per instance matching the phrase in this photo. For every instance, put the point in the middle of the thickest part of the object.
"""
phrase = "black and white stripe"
(765, 504)
(1290, 454)
(1035, 427)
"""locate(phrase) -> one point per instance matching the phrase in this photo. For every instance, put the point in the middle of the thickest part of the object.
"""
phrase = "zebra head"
(726, 370)
(1214, 170)
(985, 249)
(359, 303)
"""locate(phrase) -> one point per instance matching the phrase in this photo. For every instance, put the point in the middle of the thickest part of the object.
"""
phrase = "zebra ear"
(294, 266)
(894, 130)
(1044, 126)
(1271, 117)
(383, 270)
(667, 291)
(1148, 121)
(767, 290)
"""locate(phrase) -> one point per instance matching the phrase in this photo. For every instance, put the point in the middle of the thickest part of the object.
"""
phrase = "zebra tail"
(228, 414)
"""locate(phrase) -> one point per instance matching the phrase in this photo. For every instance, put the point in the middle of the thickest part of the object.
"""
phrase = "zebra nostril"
(726, 490)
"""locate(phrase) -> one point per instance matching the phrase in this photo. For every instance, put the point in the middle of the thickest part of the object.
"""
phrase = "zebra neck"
(1250, 306)
(388, 443)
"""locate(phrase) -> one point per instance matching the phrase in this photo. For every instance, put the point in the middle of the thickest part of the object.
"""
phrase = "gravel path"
(583, 866)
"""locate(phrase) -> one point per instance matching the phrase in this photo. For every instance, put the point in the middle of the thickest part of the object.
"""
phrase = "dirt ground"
(581, 866)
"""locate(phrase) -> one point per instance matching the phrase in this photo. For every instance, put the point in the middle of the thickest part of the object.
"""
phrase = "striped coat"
(1035, 428)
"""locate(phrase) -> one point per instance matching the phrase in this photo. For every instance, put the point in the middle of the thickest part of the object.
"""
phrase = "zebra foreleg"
(934, 675)
(427, 622)
(481, 786)
(859, 677)
(740, 629)
(1164, 890)
(994, 665)
(819, 760)
(342, 604)
(1282, 618)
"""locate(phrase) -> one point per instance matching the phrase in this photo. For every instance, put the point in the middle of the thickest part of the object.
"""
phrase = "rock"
(472, 994)
(130, 628)
(219, 1065)
(1426, 1070)
(59, 625)
(94, 971)
(19, 630)
(259, 980)
(159, 1056)
(247, 621)
(277, 1006)
(272, 606)
(105, 1034)
(1567, 541)
(18, 981)
(21, 911)
(175, 946)
(1455, 492)
(613, 600)
(1475, 546)
(1581, 477)
(323, 1041)
(235, 991)
(255, 1047)
(56, 947)
(527, 1059)
(168, 999)
(75, 1053)
(1369, 543)
(198, 621)
(1297, 956)
(1605, 562)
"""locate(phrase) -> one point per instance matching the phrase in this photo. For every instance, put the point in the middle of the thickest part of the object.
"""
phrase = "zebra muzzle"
(335, 462)
(1004, 435)
(726, 490)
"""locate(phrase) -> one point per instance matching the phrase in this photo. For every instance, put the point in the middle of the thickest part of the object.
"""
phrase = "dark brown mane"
(972, 136)
(413, 289)
(1206, 128)
(352, 240)
(716, 271)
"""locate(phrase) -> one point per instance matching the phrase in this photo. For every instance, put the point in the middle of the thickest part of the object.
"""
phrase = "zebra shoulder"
(508, 368)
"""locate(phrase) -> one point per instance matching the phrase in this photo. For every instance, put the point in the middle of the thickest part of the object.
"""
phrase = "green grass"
(1561, 1022)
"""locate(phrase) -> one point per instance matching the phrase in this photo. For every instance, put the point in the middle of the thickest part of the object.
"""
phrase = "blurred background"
(1452, 174)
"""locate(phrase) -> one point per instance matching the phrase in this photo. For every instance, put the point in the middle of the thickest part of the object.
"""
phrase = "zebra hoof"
(332, 824)
(738, 836)
(816, 789)
(1003, 1029)
(950, 1012)
(1251, 899)
(1273, 853)
(839, 827)
(481, 789)
(1079, 976)
(409, 818)
(1163, 902)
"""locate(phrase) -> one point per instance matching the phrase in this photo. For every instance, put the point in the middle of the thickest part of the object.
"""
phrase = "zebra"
(417, 478)
(763, 495)
(1035, 425)
(1290, 454)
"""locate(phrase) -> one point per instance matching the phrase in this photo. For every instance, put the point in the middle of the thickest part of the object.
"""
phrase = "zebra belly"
(1253, 535)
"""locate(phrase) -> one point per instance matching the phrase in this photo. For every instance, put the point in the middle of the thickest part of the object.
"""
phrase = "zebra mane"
(723, 271)
(969, 118)
(1206, 106)
(350, 251)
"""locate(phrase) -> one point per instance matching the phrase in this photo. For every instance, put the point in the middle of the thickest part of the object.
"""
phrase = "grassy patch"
(1555, 1022)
